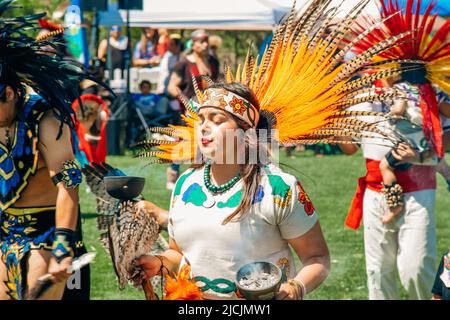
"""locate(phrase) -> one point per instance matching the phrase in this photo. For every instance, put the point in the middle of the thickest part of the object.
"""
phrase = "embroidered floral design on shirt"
(304, 199)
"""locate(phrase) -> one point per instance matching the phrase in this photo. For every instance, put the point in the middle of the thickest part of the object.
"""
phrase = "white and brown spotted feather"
(125, 232)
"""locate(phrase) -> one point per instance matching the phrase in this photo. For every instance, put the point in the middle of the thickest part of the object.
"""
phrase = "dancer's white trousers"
(406, 245)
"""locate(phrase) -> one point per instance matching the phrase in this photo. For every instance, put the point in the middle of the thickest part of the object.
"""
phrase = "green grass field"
(330, 181)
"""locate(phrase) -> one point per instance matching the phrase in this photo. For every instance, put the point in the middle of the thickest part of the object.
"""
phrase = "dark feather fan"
(127, 233)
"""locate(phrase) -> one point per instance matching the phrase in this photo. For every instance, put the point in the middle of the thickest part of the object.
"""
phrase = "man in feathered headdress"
(39, 219)
(398, 198)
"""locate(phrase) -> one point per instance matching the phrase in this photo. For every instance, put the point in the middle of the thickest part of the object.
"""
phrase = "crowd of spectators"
(175, 59)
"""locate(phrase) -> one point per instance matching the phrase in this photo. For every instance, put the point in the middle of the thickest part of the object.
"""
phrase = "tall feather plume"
(197, 90)
(228, 75)
(365, 32)
(369, 79)
(364, 58)
(339, 32)
(330, 15)
(301, 78)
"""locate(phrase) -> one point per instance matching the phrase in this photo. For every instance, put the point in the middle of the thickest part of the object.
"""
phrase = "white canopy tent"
(207, 14)
(221, 15)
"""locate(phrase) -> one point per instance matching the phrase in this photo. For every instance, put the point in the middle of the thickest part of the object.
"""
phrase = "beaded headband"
(232, 103)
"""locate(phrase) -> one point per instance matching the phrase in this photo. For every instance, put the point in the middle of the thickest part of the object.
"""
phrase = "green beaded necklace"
(218, 189)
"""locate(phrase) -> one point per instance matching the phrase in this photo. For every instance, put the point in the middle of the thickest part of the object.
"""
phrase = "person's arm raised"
(173, 88)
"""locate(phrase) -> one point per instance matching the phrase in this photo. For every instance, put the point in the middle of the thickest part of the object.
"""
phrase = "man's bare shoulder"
(49, 129)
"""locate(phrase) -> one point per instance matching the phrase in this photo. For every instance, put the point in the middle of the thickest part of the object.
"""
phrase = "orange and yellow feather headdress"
(301, 81)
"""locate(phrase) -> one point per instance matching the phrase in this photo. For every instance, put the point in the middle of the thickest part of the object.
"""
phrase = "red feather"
(46, 24)
(431, 121)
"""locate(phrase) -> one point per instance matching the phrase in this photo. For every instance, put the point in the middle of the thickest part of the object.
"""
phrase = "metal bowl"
(124, 188)
(266, 293)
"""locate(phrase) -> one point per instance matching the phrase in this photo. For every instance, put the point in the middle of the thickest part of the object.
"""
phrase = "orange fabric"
(182, 287)
(163, 43)
(415, 178)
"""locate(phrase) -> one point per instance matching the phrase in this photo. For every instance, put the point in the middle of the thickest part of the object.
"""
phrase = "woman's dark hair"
(9, 79)
(3, 95)
(179, 43)
(414, 73)
(144, 40)
(250, 172)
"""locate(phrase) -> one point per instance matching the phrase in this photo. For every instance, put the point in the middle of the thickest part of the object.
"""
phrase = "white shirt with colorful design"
(281, 210)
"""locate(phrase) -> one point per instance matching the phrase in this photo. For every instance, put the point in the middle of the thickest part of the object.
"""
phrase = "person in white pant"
(407, 244)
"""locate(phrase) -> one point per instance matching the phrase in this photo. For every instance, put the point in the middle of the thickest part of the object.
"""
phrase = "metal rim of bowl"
(280, 275)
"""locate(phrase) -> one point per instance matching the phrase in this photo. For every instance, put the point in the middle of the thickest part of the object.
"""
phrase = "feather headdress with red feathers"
(424, 55)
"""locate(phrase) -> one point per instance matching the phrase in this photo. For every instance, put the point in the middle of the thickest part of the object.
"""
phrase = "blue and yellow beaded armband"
(63, 244)
(70, 175)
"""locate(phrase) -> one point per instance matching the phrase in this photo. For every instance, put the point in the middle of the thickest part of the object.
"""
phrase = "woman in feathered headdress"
(234, 205)
(39, 219)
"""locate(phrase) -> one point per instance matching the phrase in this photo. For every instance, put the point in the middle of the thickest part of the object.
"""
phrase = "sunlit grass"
(330, 182)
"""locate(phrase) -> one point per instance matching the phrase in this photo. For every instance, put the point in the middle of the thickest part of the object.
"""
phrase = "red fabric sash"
(431, 121)
(415, 178)
(94, 153)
